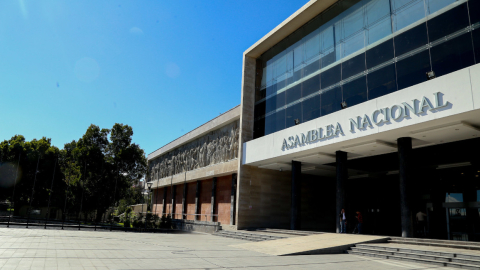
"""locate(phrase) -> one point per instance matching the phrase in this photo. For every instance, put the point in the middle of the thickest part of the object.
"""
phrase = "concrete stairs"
(436, 243)
(283, 232)
(249, 236)
(426, 254)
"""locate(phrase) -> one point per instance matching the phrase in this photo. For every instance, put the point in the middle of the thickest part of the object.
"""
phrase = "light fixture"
(297, 121)
(430, 75)
(343, 104)
(149, 185)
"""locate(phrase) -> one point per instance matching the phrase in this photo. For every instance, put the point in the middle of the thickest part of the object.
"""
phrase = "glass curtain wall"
(361, 51)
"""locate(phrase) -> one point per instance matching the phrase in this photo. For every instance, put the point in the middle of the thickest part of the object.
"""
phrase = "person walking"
(359, 218)
(343, 221)
(421, 222)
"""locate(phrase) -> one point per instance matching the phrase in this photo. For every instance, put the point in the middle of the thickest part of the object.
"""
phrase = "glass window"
(476, 44)
(330, 101)
(270, 124)
(311, 86)
(331, 76)
(411, 39)
(311, 68)
(381, 82)
(380, 54)
(448, 22)
(412, 70)
(272, 88)
(294, 93)
(353, 66)
(406, 12)
(280, 99)
(454, 197)
(436, 5)
(452, 55)
(280, 120)
(474, 10)
(311, 108)
(271, 104)
(293, 112)
(259, 109)
(355, 92)
(378, 20)
(259, 128)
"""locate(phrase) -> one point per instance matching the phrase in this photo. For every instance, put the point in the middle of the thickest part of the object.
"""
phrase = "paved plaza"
(37, 248)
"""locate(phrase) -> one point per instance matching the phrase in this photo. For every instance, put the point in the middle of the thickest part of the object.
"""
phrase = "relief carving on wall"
(217, 146)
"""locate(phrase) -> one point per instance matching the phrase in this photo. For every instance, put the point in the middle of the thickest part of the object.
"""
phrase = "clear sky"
(163, 67)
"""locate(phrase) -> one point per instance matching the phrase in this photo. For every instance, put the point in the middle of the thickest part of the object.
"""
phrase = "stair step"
(435, 244)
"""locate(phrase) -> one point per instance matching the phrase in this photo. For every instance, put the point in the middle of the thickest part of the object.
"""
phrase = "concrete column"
(212, 208)
(184, 203)
(233, 199)
(197, 196)
(342, 176)
(174, 191)
(164, 201)
(295, 214)
(405, 173)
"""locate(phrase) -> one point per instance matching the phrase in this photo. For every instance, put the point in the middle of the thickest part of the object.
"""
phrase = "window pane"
(294, 93)
(412, 70)
(353, 44)
(293, 112)
(270, 124)
(311, 108)
(298, 55)
(312, 46)
(353, 66)
(259, 109)
(330, 101)
(378, 20)
(355, 92)
(474, 10)
(476, 43)
(311, 68)
(381, 82)
(259, 128)
(280, 100)
(411, 39)
(380, 54)
(406, 12)
(271, 89)
(436, 5)
(448, 22)
(452, 55)
(331, 76)
(271, 104)
(311, 86)
(379, 30)
(280, 120)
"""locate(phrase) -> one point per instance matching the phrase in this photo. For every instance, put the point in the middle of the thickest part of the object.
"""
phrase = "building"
(369, 106)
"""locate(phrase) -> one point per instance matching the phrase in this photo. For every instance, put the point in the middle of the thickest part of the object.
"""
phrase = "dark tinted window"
(270, 124)
(412, 70)
(476, 43)
(328, 59)
(280, 99)
(297, 75)
(259, 128)
(311, 86)
(311, 108)
(452, 55)
(353, 66)
(355, 92)
(271, 104)
(310, 68)
(294, 93)
(381, 82)
(331, 76)
(280, 120)
(259, 109)
(411, 39)
(448, 22)
(380, 54)
(330, 101)
(271, 89)
(294, 112)
(474, 10)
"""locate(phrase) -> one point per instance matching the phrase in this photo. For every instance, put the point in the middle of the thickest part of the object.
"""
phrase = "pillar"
(164, 201)
(295, 204)
(212, 208)
(184, 203)
(174, 191)
(233, 199)
(197, 205)
(405, 174)
(342, 176)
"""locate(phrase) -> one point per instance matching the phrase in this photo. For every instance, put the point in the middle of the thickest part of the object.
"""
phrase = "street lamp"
(149, 185)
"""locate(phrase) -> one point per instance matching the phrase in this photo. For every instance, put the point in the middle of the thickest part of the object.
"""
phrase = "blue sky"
(162, 67)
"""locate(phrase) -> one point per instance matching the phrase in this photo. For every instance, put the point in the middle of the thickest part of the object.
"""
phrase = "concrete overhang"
(288, 26)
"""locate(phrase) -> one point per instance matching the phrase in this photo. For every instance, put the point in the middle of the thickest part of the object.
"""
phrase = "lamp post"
(149, 185)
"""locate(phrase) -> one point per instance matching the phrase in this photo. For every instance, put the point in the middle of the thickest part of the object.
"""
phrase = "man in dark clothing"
(359, 218)
(343, 221)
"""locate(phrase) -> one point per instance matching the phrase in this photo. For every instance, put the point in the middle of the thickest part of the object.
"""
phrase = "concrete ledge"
(195, 225)
(216, 170)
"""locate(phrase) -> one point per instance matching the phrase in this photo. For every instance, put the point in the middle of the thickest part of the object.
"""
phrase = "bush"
(166, 222)
(126, 224)
(140, 224)
(135, 224)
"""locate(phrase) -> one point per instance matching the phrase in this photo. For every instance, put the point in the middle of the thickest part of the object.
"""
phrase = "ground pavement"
(37, 248)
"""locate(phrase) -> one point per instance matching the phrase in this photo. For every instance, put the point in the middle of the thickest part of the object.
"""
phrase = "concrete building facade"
(368, 106)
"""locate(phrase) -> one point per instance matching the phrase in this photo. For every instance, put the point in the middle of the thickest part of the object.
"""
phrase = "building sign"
(378, 117)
